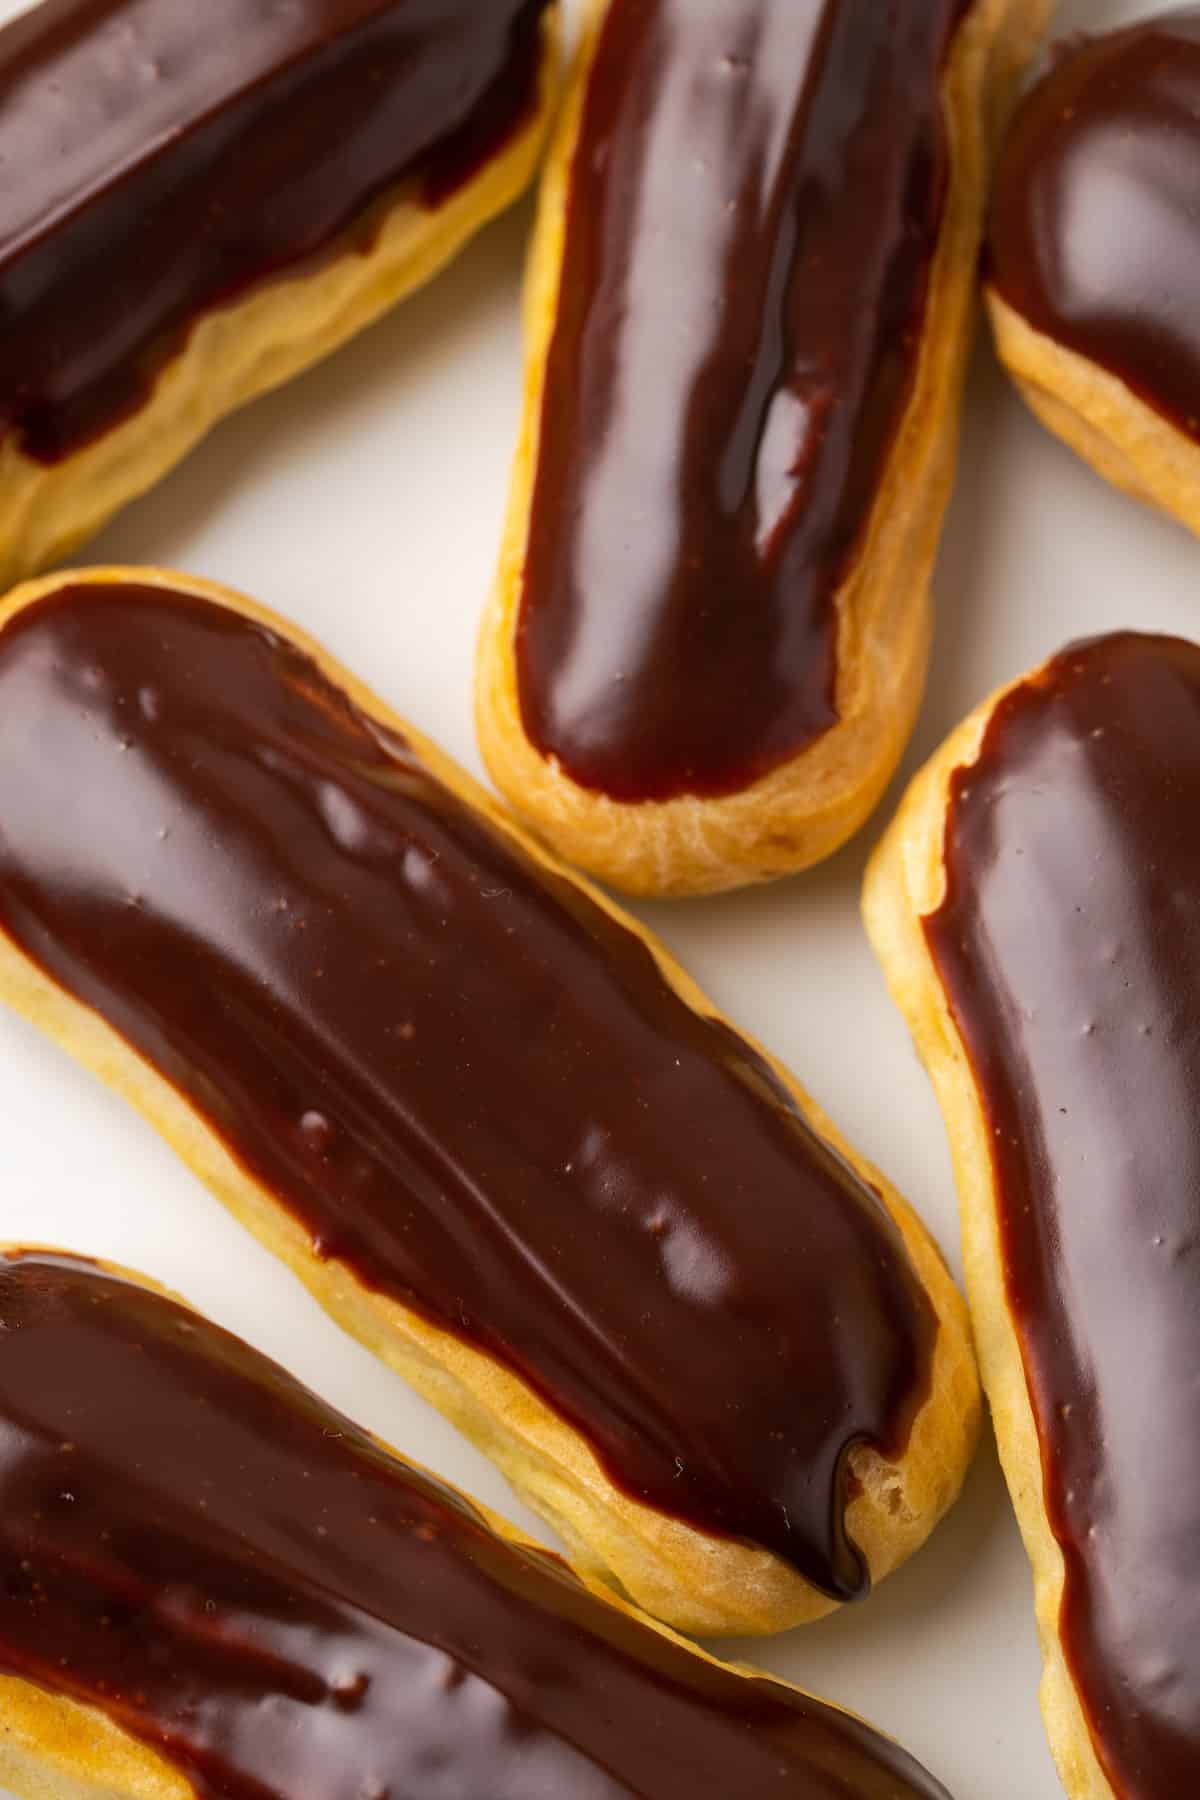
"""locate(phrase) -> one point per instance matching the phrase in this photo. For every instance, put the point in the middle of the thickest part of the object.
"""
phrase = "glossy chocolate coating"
(240, 1578)
(1069, 944)
(1095, 235)
(466, 1081)
(754, 206)
(159, 158)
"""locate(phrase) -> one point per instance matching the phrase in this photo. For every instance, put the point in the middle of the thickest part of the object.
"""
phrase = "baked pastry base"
(1136, 448)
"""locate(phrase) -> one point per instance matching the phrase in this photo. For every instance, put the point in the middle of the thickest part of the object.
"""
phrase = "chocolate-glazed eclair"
(748, 310)
(478, 1111)
(199, 201)
(215, 1585)
(1093, 270)
(1035, 906)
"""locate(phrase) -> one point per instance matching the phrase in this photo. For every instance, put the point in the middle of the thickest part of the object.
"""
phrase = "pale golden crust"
(906, 881)
(52, 1748)
(698, 1583)
(1099, 417)
(805, 809)
(236, 353)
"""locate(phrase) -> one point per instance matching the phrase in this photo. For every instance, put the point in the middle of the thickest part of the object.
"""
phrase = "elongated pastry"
(215, 1585)
(748, 310)
(197, 201)
(1035, 908)
(1093, 274)
(478, 1111)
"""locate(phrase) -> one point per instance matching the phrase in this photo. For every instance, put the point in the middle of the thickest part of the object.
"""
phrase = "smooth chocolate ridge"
(160, 158)
(1094, 236)
(465, 1080)
(1069, 946)
(754, 207)
(242, 1580)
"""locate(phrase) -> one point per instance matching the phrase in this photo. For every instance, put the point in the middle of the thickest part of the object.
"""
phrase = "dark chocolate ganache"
(241, 1579)
(160, 157)
(1095, 231)
(1069, 945)
(754, 206)
(468, 1082)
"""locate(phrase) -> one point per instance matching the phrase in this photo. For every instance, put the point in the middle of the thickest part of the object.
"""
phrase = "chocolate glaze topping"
(241, 1579)
(1095, 238)
(160, 157)
(754, 206)
(1069, 944)
(467, 1081)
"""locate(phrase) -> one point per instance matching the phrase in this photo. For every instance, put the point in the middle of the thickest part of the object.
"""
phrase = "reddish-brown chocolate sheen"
(1069, 945)
(1095, 237)
(240, 1578)
(158, 158)
(464, 1078)
(754, 206)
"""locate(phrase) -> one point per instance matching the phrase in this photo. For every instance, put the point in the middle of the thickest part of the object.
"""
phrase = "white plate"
(364, 502)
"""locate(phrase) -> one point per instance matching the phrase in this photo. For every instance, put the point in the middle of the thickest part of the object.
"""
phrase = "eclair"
(198, 201)
(1093, 261)
(217, 1585)
(1034, 906)
(749, 303)
(478, 1110)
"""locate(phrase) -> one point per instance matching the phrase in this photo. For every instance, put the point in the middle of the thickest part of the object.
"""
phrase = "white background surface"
(365, 502)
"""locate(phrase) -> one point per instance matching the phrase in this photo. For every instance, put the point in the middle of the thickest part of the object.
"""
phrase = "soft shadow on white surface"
(365, 502)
